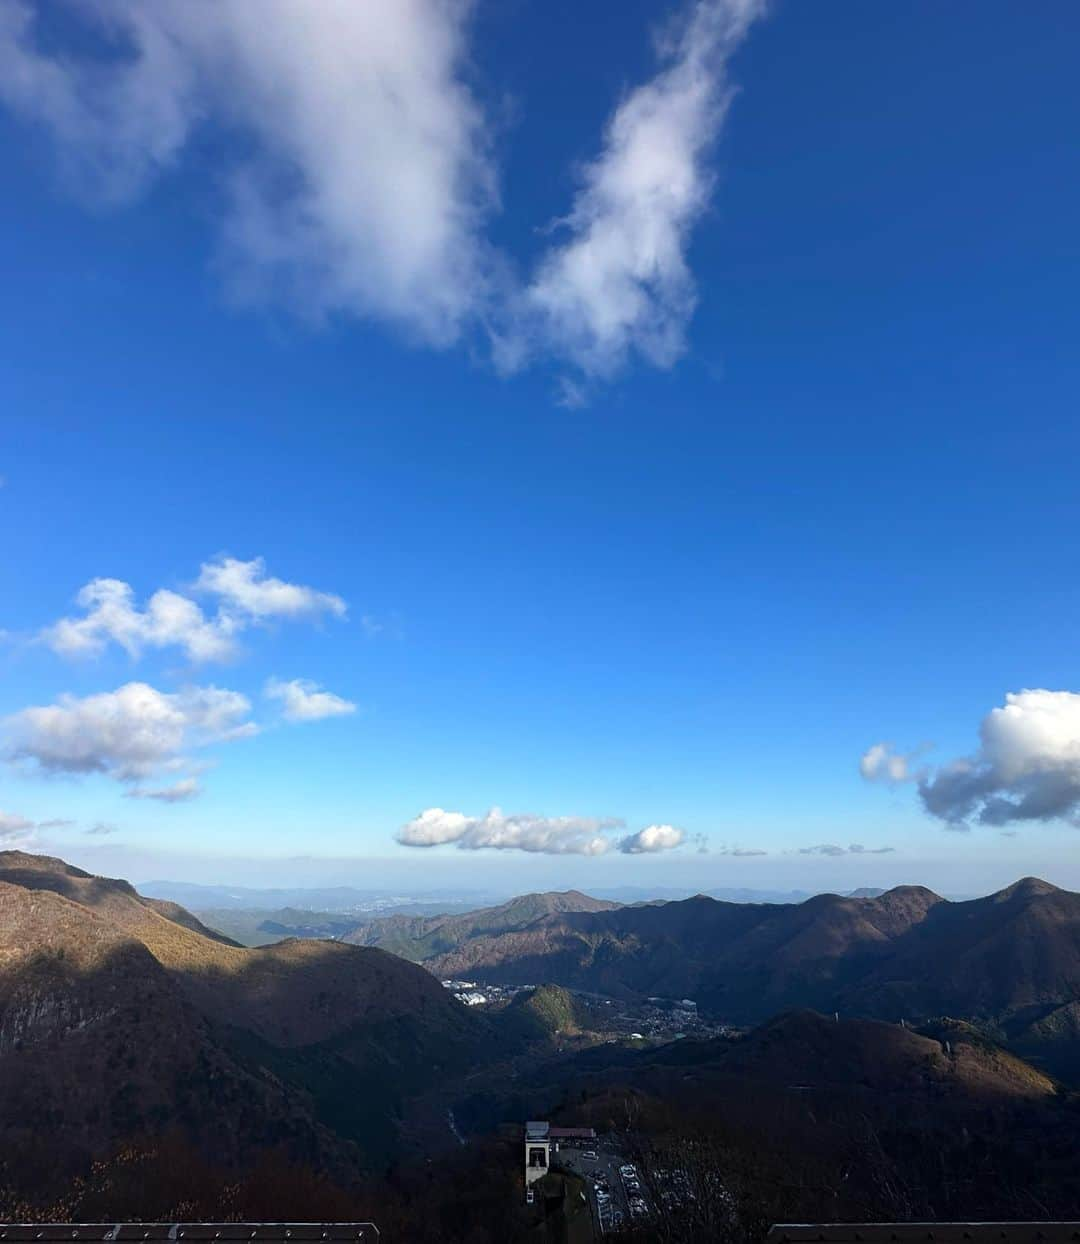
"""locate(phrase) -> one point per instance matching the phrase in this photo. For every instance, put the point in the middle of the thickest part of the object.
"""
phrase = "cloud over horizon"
(522, 831)
(854, 848)
(360, 178)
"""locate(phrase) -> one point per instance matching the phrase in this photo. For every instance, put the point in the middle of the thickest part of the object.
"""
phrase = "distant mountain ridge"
(421, 938)
(1012, 958)
(334, 899)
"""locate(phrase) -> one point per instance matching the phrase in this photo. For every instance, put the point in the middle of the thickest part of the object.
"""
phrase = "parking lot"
(611, 1202)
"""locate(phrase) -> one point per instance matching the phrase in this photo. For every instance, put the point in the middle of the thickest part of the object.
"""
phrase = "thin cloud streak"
(620, 285)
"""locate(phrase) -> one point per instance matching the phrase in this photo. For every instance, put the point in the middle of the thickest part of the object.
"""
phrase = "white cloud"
(651, 839)
(128, 734)
(433, 827)
(522, 831)
(620, 283)
(178, 792)
(364, 178)
(101, 829)
(362, 181)
(168, 620)
(303, 700)
(1027, 766)
(557, 835)
(246, 596)
(245, 589)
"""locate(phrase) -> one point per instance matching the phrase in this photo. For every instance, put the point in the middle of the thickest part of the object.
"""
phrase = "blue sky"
(812, 492)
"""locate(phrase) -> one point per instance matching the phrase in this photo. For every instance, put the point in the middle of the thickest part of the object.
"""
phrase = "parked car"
(589, 1155)
(530, 1196)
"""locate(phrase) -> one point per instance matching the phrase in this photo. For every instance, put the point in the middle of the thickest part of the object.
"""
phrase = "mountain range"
(1011, 959)
(127, 1026)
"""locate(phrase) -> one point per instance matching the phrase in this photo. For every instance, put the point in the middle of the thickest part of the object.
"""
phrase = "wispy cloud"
(364, 181)
(16, 830)
(855, 848)
(304, 700)
(102, 829)
(365, 177)
(883, 763)
(245, 594)
(245, 590)
(522, 831)
(178, 792)
(619, 284)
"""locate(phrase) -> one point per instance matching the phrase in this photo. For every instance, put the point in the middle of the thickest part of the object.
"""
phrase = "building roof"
(268, 1232)
(925, 1233)
(572, 1133)
(535, 1130)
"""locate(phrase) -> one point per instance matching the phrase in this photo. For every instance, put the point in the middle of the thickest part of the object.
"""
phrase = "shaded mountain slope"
(799, 1064)
(98, 1045)
(294, 992)
(812, 1050)
(100, 988)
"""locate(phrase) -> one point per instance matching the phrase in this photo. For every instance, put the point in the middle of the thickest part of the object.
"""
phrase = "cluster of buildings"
(473, 994)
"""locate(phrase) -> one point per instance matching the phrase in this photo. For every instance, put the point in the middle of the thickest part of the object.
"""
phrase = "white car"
(628, 1171)
(589, 1155)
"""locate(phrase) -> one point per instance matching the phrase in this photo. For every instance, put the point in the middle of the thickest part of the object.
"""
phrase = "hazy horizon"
(502, 878)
